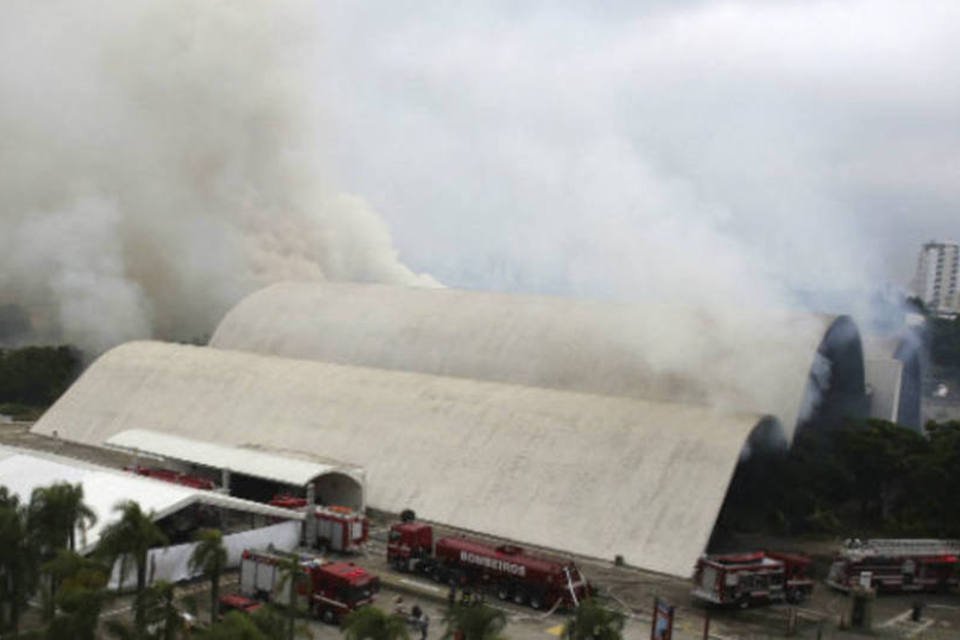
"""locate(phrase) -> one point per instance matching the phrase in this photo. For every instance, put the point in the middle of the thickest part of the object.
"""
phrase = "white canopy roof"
(251, 462)
(22, 471)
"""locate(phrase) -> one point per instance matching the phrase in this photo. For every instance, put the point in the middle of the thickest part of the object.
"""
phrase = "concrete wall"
(594, 474)
(734, 359)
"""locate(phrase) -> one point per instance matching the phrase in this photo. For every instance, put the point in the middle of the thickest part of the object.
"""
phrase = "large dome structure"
(594, 474)
(773, 362)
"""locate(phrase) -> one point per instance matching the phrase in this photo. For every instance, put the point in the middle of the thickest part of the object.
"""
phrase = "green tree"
(19, 560)
(210, 557)
(234, 626)
(371, 623)
(475, 622)
(56, 512)
(591, 621)
(880, 456)
(131, 537)
(79, 598)
(37, 376)
(272, 623)
(292, 580)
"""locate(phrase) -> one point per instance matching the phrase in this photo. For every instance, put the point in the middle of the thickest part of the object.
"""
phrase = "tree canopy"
(37, 376)
(866, 478)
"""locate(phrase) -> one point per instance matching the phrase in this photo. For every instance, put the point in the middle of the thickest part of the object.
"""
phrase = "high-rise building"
(937, 282)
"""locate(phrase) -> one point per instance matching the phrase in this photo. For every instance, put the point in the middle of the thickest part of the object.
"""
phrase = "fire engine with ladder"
(894, 565)
(758, 577)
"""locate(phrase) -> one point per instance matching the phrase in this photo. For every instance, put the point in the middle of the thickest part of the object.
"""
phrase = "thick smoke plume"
(160, 159)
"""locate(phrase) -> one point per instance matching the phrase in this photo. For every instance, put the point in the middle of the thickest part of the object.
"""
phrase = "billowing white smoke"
(159, 159)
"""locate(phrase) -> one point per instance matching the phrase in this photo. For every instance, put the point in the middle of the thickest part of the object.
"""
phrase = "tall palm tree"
(18, 560)
(131, 537)
(56, 512)
(591, 621)
(162, 619)
(474, 622)
(291, 576)
(210, 557)
(371, 623)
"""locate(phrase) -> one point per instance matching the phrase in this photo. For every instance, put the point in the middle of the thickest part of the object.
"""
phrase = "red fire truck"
(507, 570)
(167, 475)
(758, 577)
(339, 529)
(896, 565)
(333, 588)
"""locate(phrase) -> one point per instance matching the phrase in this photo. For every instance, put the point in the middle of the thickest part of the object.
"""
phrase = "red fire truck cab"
(507, 571)
(333, 589)
(758, 577)
(893, 565)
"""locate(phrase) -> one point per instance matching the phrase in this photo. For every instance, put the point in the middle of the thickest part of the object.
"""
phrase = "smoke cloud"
(162, 158)
(699, 151)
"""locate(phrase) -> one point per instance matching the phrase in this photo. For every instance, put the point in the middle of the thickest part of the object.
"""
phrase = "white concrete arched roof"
(732, 359)
(598, 475)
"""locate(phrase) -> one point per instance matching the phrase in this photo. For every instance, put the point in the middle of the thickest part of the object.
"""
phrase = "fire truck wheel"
(743, 602)
(535, 601)
(519, 596)
(328, 616)
(503, 592)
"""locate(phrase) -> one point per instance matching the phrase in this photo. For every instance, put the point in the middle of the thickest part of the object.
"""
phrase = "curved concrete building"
(894, 376)
(596, 474)
(784, 364)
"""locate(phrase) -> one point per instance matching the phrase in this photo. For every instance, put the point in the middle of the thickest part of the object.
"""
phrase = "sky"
(163, 158)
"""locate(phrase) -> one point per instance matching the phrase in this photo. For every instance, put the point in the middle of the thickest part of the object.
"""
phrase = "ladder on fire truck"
(570, 587)
(893, 547)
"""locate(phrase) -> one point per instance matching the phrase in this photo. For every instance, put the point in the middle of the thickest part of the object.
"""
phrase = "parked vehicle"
(339, 528)
(332, 589)
(168, 475)
(895, 565)
(237, 602)
(757, 577)
(506, 570)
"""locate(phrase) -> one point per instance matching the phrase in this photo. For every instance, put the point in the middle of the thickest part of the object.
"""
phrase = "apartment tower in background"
(937, 282)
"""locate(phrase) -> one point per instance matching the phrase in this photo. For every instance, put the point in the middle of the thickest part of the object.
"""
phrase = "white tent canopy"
(22, 471)
(251, 462)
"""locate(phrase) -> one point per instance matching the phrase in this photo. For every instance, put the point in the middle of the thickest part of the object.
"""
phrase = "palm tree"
(291, 576)
(273, 623)
(234, 626)
(591, 621)
(80, 597)
(131, 537)
(474, 622)
(56, 512)
(210, 557)
(371, 623)
(18, 560)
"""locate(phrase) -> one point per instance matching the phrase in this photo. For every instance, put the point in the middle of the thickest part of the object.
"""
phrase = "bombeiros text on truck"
(506, 571)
